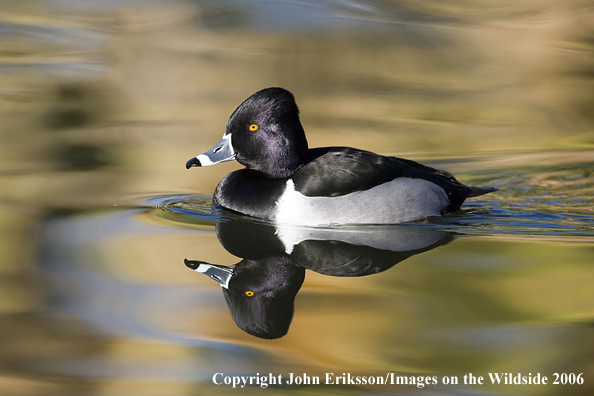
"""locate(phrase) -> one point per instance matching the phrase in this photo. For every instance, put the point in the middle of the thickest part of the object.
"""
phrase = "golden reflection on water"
(102, 103)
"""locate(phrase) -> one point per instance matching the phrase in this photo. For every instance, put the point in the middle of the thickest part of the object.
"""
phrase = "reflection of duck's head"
(260, 293)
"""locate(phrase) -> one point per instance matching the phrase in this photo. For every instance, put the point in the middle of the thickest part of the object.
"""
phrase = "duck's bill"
(218, 273)
(221, 152)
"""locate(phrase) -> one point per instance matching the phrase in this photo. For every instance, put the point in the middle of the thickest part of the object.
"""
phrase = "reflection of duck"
(260, 290)
(284, 182)
(260, 293)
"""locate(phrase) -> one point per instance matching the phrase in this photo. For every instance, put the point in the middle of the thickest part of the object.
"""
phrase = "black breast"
(246, 191)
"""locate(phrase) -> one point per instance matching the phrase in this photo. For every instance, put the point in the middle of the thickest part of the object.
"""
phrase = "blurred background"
(103, 102)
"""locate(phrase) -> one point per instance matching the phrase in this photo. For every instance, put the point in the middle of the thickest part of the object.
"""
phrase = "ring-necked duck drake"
(285, 182)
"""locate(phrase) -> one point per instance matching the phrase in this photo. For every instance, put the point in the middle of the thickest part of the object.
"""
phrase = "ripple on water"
(548, 200)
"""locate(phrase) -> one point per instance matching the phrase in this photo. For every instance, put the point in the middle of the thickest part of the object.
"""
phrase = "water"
(102, 103)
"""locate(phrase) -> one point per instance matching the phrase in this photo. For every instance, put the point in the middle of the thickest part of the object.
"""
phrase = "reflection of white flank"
(399, 201)
(395, 238)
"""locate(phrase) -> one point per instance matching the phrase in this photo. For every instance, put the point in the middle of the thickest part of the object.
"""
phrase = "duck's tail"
(478, 191)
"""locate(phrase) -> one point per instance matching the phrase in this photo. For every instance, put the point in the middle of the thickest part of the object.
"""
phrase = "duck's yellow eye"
(253, 127)
(249, 293)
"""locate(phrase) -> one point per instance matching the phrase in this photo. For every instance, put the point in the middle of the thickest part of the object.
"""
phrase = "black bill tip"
(193, 264)
(193, 162)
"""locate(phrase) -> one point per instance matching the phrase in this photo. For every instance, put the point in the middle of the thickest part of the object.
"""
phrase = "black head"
(267, 135)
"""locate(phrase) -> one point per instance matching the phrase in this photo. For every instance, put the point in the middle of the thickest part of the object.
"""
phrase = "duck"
(286, 182)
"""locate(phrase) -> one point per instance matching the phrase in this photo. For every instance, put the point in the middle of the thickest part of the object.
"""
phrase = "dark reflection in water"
(260, 290)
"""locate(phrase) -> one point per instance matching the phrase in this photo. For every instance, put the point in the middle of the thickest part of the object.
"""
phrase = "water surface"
(102, 103)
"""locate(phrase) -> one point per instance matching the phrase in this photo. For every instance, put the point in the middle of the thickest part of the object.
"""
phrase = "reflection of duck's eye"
(249, 293)
(253, 127)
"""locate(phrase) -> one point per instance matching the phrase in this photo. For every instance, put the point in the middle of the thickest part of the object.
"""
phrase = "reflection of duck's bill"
(219, 273)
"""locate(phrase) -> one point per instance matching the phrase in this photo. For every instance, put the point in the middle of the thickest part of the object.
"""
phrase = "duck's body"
(285, 182)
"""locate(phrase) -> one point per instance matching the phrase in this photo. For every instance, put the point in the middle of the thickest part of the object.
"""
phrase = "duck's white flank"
(399, 201)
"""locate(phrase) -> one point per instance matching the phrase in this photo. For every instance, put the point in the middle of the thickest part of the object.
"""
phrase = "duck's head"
(264, 134)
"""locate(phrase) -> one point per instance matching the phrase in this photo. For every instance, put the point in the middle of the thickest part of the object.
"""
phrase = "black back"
(335, 171)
